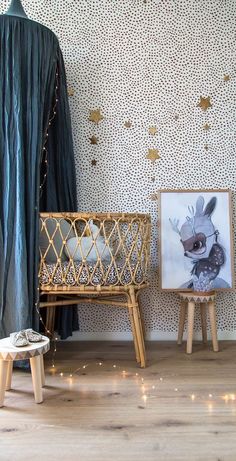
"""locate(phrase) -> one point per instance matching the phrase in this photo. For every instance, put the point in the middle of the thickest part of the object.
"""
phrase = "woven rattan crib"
(100, 258)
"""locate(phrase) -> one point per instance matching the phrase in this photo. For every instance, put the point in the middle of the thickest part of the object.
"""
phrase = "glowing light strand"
(46, 136)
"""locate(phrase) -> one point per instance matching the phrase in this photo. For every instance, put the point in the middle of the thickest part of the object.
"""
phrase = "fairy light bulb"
(193, 397)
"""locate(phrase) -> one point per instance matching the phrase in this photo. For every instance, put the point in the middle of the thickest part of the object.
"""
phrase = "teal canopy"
(32, 87)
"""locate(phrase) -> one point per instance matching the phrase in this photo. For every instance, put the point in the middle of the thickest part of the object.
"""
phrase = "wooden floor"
(179, 408)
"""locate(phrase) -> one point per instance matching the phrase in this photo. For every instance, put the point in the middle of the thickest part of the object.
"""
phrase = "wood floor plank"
(180, 408)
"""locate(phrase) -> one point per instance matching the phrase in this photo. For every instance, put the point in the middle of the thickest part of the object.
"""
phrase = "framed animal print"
(196, 242)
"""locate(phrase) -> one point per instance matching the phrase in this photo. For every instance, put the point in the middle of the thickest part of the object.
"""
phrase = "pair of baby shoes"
(25, 337)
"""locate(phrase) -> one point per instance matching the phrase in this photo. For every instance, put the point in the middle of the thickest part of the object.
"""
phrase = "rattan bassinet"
(98, 258)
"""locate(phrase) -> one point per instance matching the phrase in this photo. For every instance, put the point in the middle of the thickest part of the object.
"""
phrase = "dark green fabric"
(29, 58)
(16, 9)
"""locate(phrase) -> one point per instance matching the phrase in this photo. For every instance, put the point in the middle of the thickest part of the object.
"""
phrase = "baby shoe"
(33, 336)
(19, 339)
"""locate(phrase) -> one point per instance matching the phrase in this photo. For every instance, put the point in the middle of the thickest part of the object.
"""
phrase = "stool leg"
(9, 375)
(182, 316)
(35, 364)
(212, 315)
(204, 322)
(191, 308)
(42, 370)
(3, 380)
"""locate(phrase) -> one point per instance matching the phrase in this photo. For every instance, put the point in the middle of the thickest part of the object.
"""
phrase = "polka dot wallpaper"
(147, 64)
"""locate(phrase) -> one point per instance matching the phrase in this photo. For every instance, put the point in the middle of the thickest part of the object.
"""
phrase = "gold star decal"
(95, 116)
(204, 103)
(94, 162)
(206, 127)
(70, 91)
(153, 196)
(152, 130)
(93, 140)
(153, 155)
(128, 124)
(226, 78)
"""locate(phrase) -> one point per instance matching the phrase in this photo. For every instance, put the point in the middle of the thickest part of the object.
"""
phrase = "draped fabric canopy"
(31, 74)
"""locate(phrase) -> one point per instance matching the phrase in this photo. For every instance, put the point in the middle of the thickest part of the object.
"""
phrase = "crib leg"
(138, 327)
(134, 335)
(50, 315)
(141, 317)
(141, 327)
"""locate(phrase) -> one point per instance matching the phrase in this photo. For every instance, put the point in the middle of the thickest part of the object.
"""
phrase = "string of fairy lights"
(52, 115)
(147, 389)
(44, 163)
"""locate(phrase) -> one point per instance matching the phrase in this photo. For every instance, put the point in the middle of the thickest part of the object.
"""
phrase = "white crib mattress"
(76, 274)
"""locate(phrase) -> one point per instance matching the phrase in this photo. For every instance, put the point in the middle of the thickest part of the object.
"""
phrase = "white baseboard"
(150, 336)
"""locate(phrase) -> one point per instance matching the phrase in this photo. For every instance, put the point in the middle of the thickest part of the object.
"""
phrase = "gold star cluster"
(204, 103)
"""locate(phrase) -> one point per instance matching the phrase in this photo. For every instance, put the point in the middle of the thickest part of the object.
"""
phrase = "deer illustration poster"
(196, 247)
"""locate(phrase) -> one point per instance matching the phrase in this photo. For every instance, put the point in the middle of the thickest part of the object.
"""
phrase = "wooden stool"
(34, 352)
(189, 300)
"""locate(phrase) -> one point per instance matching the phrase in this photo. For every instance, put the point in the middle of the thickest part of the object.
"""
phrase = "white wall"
(148, 62)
